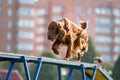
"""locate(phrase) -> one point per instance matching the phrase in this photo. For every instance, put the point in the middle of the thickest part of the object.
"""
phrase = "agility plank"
(91, 70)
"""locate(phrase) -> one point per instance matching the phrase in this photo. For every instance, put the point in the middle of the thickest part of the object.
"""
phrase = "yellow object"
(98, 75)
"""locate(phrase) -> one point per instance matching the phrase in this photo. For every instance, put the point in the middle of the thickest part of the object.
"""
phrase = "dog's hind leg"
(79, 57)
(68, 54)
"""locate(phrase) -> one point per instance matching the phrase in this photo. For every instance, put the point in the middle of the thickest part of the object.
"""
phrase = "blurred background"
(24, 25)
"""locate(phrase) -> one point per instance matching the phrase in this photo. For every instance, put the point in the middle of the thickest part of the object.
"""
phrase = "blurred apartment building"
(23, 24)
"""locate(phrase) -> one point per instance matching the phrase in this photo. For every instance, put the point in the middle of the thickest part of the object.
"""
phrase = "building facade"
(23, 24)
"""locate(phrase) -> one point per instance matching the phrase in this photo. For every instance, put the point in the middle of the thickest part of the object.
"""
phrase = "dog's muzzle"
(50, 37)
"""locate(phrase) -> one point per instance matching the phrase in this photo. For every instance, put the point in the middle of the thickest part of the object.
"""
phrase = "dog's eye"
(49, 27)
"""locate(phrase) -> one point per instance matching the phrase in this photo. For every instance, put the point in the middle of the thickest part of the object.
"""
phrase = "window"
(106, 57)
(89, 0)
(25, 11)
(89, 11)
(116, 12)
(56, 17)
(41, 21)
(9, 11)
(104, 11)
(116, 57)
(105, 39)
(88, 20)
(103, 20)
(77, 19)
(25, 34)
(26, 1)
(8, 47)
(103, 48)
(77, 1)
(25, 23)
(97, 10)
(117, 21)
(0, 1)
(9, 35)
(39, 48)
(117, 30)
(39, 39)
(40, 30)
(9, 1)
(9, 23)
(108, 26)
(117, 49)
(57, 9)
(117, 39)
(78, 9)
(0, 11)
(101, 29)
(41, 12)
(25, 46)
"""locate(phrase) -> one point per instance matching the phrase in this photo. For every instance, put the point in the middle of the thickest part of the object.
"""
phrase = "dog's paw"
(78, 61)
(67, 59)
(56, 51)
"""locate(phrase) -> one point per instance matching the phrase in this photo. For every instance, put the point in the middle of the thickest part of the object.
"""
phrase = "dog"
(66, 32)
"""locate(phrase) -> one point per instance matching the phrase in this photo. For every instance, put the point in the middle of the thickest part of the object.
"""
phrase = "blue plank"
(9, 56)
(25, 58)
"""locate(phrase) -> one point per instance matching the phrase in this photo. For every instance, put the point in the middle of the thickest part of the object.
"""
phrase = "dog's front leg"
(55, 47)
(69, 50)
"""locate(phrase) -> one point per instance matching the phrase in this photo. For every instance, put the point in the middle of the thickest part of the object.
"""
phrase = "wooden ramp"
(94, 72)
(100, 74)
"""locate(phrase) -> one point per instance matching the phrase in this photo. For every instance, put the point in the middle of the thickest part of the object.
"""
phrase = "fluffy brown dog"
(65, 32)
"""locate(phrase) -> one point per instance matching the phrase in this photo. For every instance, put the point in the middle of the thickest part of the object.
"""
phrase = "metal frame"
(10, 70)
(82, 67)
(13, 58)
(26, 68)
(59, 73)
(69, 73)
(83, 72)
(38, 67)
(94, 72)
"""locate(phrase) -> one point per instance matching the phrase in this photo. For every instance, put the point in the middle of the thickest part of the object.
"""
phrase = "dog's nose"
(49, 37)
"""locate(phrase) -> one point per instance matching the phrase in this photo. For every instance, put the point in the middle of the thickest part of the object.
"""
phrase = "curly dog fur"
(65, 32)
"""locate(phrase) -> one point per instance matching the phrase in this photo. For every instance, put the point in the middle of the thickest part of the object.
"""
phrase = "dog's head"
(57, 29)
(52, 30)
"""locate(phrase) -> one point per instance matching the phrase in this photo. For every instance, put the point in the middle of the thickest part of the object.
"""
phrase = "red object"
(15, 75)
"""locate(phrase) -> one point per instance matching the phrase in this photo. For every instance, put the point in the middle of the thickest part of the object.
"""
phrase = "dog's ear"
(61, 30)
(64, 23)
(84, 24)
(61, 34)
(53, 24)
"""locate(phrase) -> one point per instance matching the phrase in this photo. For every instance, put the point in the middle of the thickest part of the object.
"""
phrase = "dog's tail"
(83, 24)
